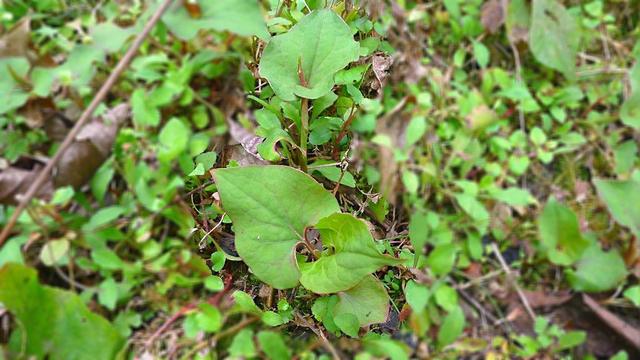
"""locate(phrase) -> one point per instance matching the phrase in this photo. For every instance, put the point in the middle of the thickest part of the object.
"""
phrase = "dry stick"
(516, 57)
(86, 115)
(513, 282)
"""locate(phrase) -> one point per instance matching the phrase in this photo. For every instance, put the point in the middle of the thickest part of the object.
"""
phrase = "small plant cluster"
(320, 179)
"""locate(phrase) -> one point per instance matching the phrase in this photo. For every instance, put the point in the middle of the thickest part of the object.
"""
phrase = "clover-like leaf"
(270, 207)
(321, 44)
(350, 256)
(368, 301)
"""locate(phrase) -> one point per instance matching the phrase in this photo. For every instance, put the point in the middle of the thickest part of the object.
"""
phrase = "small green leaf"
(270, 207)
(571, 339)
(217, 261)
(560, 234)
(348, 324)
(213, 283)
(597, 271)
(53, 251)
(417, 296)
(618, 195)
(209, 318)
(354, 256)
(630, 111)
(368, 302)
(446, 297)
(173, 138)
(415, 130)
(442, 258)
(385, 347)
(144, 112)
(272, 318)
(452, 326)
(321, 43)
(244, 304)
(323, 309)
(474, 209)
(108, 293)
(242, 345)
(481, 53)
(633, 294)
(273, 345)
(514, 196)
(419, 230)
(554, 36)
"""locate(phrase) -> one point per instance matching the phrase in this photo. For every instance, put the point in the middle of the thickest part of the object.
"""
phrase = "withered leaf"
(90, 149)
(15, 43)
(15, 181)
(492, 15)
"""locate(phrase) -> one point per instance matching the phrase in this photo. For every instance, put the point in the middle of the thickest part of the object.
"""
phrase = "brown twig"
(86, 115)
(514, 283)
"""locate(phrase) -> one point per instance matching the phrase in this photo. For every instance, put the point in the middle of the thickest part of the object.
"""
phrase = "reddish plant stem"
(343, 131)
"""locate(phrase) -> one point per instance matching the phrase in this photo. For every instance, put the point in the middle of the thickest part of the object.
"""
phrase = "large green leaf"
(623, 200)
(270, 207)
(53, 323)
(554, 36)
(368, 301)
(597, 271)
(242, 17)
(560, 234)
(321, 43)
(350, 256)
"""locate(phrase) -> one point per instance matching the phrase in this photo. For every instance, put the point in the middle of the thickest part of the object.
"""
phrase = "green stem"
(304, 132)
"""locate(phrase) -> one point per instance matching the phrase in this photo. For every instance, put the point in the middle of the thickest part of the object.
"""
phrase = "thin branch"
(514, 283)
(86, 115)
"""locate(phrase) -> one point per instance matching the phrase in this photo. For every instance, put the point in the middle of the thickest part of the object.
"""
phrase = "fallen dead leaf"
(15, 43)
(15, 181)
(380, 65)
(90, 149)
(492, 15)
(77, 165)
(245, 138)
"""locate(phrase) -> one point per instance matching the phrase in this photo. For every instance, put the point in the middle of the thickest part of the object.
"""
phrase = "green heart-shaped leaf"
(321, 43)
(353, 256)
(270, 207)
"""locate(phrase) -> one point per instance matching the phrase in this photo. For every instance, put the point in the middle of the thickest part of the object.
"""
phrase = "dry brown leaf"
(90, 149)
(380, 65)
(243, 157)
(15, 43)
(15, 182)
(245, 138)
(492, 15)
